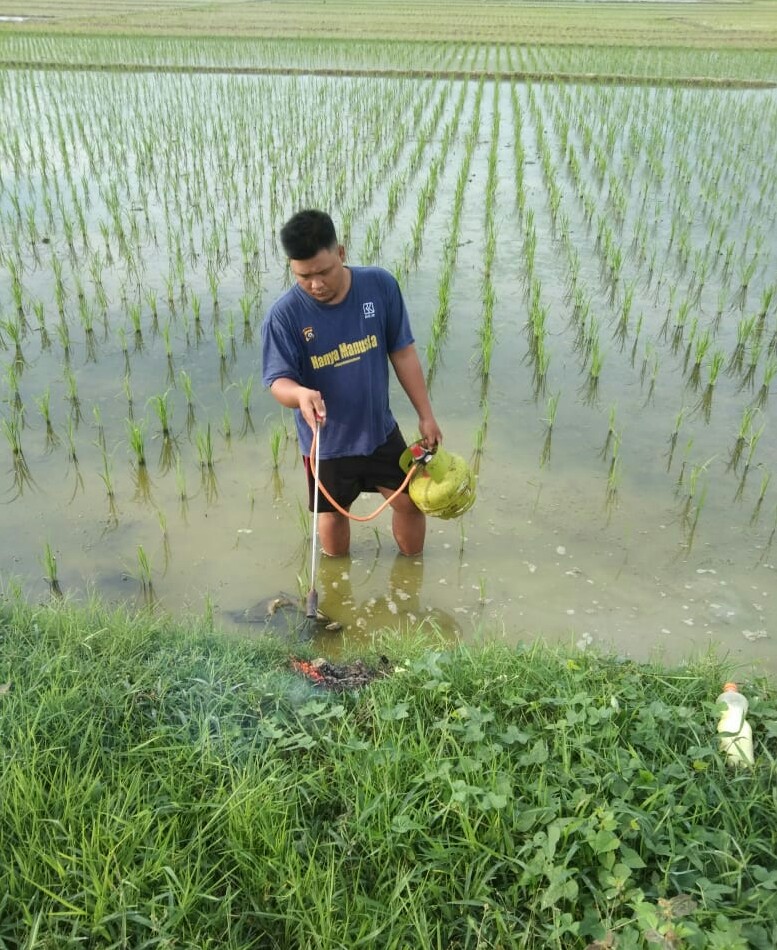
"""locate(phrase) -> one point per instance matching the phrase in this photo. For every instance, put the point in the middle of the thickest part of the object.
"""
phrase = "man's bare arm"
(407, 366)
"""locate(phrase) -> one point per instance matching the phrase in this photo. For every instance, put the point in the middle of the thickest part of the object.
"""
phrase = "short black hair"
(306, 233)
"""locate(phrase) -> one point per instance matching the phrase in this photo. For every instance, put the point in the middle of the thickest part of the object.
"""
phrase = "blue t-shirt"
(342, 351)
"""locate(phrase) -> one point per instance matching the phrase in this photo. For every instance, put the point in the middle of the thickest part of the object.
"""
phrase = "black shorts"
(345, 478)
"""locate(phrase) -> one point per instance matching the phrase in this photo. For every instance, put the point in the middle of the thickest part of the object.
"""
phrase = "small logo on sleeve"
(308, 334)
(369, 309)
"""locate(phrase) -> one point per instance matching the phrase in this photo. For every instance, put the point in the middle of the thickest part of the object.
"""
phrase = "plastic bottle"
(737, 738)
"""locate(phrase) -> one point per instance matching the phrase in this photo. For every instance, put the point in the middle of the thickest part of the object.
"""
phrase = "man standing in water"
(326, 345)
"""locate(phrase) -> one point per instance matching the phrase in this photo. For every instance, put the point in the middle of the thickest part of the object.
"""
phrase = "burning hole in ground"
(341, 676)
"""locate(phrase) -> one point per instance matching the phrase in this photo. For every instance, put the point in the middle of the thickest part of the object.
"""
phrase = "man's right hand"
(309, 402)
(312, 407)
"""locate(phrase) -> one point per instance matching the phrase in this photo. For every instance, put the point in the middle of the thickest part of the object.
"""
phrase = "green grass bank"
(168, 787)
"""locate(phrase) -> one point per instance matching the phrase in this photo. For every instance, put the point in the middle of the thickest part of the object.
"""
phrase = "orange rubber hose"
(342, 510)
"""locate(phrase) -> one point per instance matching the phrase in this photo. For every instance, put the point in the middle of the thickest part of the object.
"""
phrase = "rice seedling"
(136, 438)
(127, 387)
(701, 347)
(767, 298)
(770, 371)
(692, 506)
(107, 476)
(748, 378)
(247, 304)
(637, 332)
(753, 439)
(135, 315)
(181, 489)
(552, 409)
(745, 431)
(63, 333)
(44, 407)
(540, 365)
(72, 452)
(51, 573)
(232, 339)
(38, 310)
(596, 361)
(71, 384)
(480, 441)
(692, 521)
(681, 320)
(17, 290)
(145, 576)
(277, 439)
(222, 351)
(673, 437)
(15, 333)
(186, 383)
(246, 388)
(550, 420)
(765, 480)
(164, 412)
(611, 432)
(226, 425)
(612, 488)
(716, 364)
(747, 271)
(653, 378)
(213, 285)
(16, 402)
(98, 421)
(162, 519)
(622, 328)
(12, 430)
(204, 442)
(197, 314)
(745, 329)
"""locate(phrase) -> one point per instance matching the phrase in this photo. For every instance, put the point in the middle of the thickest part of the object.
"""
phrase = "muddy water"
(551, 549)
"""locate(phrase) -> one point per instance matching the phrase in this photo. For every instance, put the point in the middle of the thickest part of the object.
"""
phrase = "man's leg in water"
(407, 523)
(334, 533)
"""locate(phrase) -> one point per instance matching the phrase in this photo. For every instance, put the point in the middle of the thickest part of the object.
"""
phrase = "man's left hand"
(431, 435)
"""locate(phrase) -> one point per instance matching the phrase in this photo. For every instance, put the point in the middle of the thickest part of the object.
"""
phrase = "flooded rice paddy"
(591, 274)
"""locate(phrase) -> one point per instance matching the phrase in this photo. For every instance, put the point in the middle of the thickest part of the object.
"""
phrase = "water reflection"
(402, 606)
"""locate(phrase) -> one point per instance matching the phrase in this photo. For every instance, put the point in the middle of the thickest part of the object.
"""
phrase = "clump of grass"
(541, 791)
